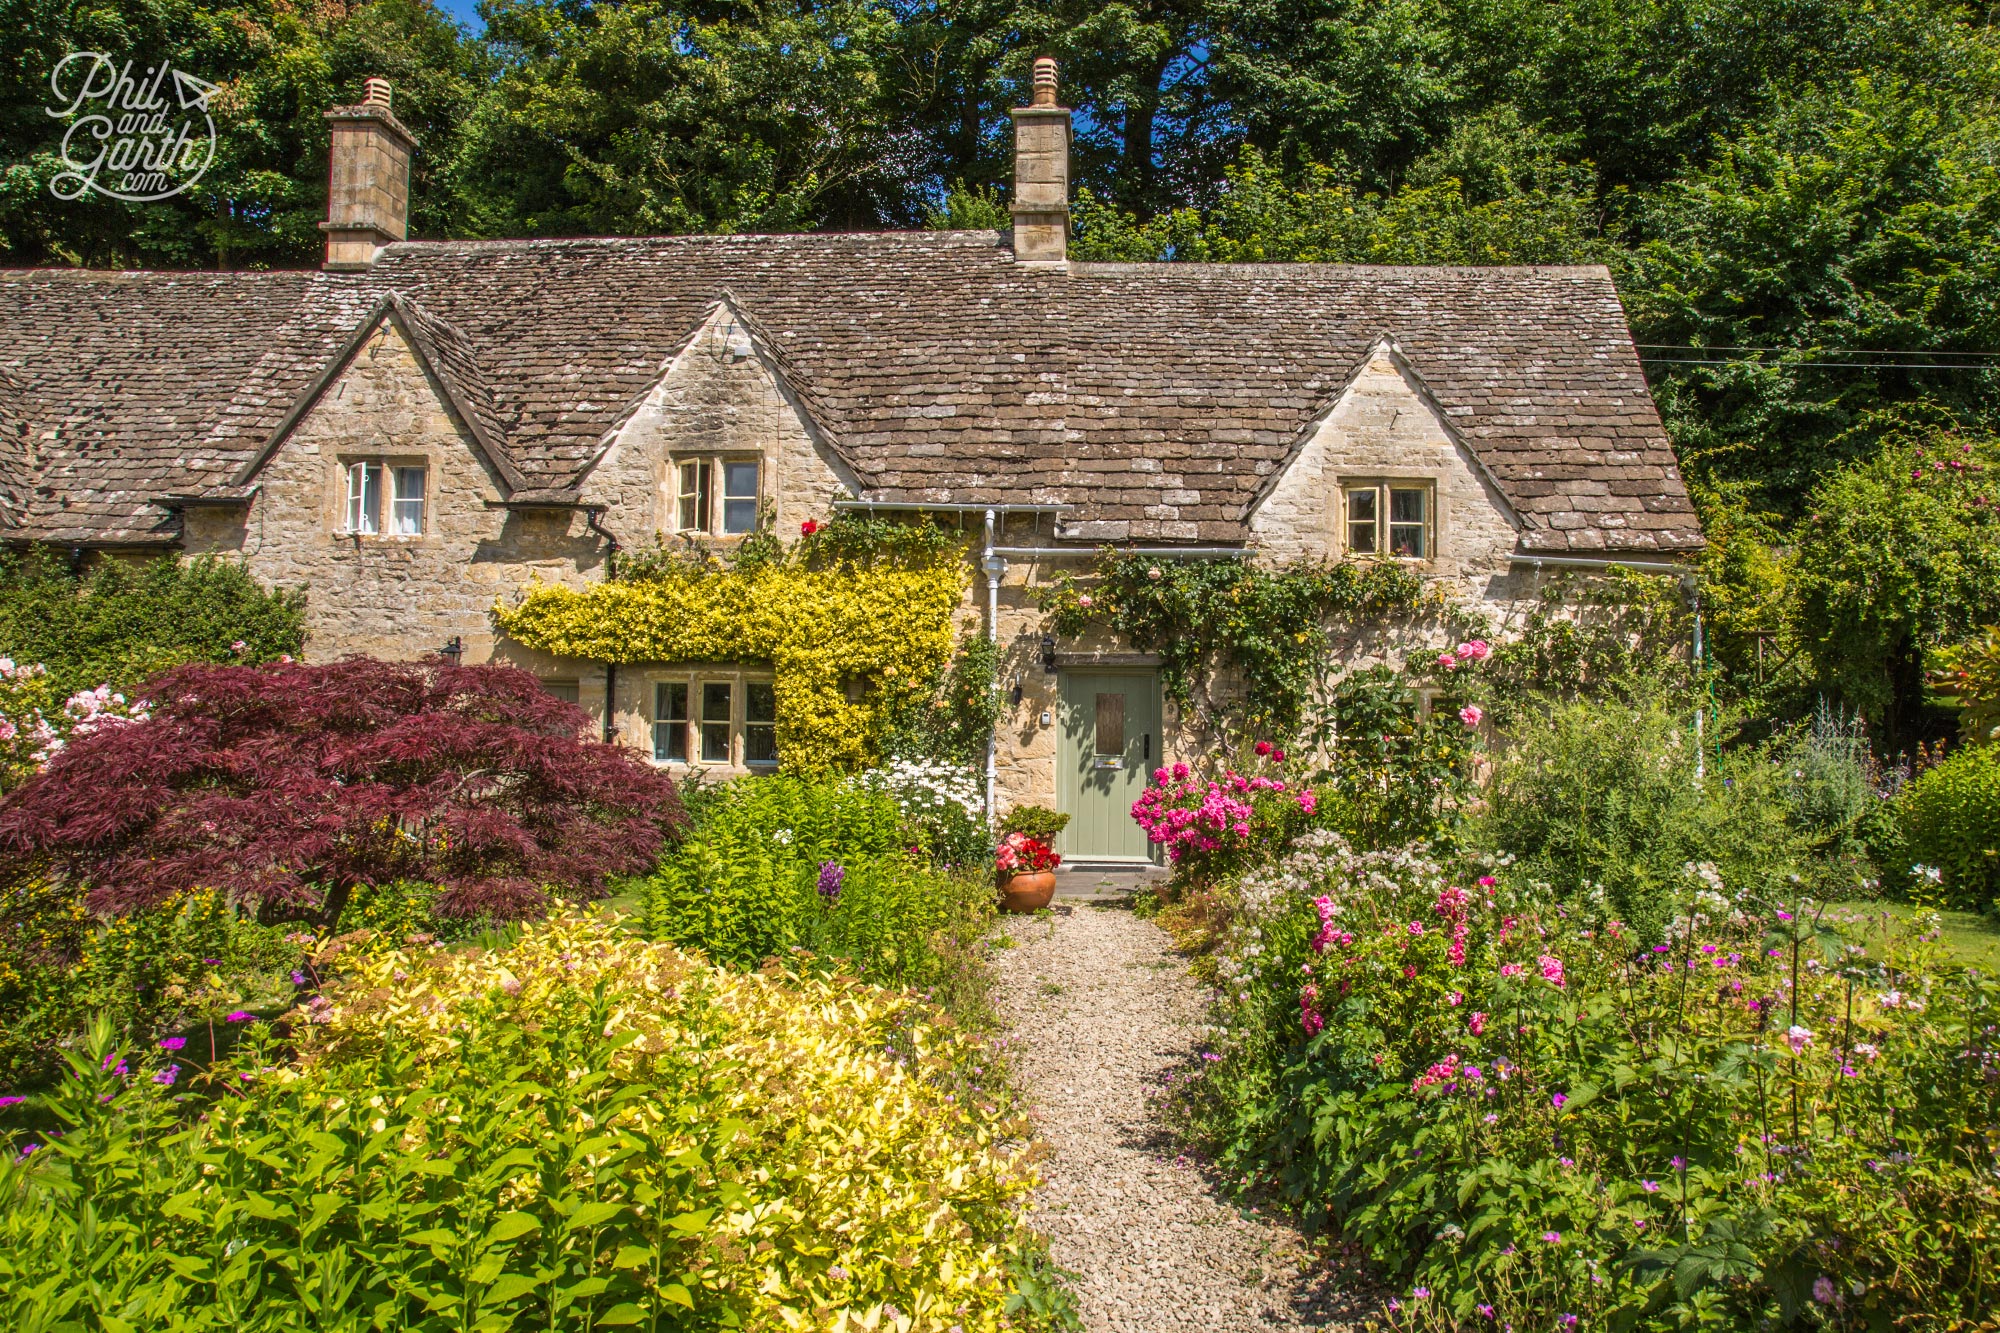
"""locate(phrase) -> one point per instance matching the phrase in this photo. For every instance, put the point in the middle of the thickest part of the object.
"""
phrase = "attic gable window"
(385, 499)
(1388, 518)
(697, 509)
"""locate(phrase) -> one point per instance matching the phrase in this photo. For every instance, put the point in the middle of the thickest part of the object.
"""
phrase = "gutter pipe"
(995, 564)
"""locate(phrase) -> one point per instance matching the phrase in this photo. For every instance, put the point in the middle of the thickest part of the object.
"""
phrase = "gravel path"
(1101, 1010)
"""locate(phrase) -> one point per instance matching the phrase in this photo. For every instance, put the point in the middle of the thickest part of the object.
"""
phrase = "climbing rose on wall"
(289, 785)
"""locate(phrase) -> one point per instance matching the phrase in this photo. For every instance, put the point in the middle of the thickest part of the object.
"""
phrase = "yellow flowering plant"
(854, 631)
(582, 1129)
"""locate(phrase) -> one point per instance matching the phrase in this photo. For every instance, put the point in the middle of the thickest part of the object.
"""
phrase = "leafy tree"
(1898, 555)
(289, 786)
(278, 68)
(1543, 215)
(120, 623)
(1863, 219)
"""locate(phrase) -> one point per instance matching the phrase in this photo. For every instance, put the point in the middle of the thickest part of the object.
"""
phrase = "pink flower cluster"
(1454, 905)
(1328, 936)
(1448, 1075)
(1476, 650)
(1552, 969)
(1310, 1017)
(1187, 814)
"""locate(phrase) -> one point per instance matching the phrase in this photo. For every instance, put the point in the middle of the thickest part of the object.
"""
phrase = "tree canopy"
(1798, 198)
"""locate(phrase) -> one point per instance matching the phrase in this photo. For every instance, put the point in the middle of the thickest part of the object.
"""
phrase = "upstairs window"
(1392, 518)
(697, 511)
(384, 499)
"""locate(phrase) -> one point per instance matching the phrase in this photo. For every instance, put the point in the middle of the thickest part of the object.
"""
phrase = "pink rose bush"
(1207, 822)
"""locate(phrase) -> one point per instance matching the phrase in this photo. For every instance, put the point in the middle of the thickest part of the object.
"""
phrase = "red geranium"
(1020, 854)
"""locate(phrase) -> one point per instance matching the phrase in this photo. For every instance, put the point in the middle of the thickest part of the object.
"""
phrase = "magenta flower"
(1678, 1163)
(1650, 1186)
(1478, 1023)
(1471, 714)
(1552, 1237)
(11, 1101)
(1552, 969)
(1798, 1038)
(240, 1016)
(172, 1043)
(166, 1076)
(1510, 969)
(1558, 1101)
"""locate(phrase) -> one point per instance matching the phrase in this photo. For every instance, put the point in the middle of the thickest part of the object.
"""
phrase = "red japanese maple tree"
(287, 786)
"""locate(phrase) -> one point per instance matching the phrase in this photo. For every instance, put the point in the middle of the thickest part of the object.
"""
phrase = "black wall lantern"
(1048, 652)
(453, 650)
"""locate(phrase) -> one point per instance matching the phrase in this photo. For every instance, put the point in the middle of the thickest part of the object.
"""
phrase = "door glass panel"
(1110, 740)
(715, 722)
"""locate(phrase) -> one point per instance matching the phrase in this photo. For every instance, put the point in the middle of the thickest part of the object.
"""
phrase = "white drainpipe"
(995, 565)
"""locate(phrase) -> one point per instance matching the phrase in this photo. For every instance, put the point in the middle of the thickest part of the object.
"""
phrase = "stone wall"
(722, 395)
(398, 597)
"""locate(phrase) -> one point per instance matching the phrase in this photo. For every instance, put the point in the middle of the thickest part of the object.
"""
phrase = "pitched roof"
(14, 465)
(1155, 399)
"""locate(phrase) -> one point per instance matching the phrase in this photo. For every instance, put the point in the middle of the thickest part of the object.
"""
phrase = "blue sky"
(465, 11)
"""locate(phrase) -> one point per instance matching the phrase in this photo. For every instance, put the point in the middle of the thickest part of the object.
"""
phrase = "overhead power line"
(1816, 365)
(1818, 351)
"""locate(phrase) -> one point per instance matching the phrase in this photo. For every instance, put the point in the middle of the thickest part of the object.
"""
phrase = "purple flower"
(1486, 1310)
(211, 962)
(1552, 1238)
(172, 1043)
(831, 875)
(1823, 1289)
(11, 1101)
(298, 978)
(1650, 1186)
(1558, 1101)
(1567, 1321)
(240, 1016)
(1678, 1163)
(1421, 1294)
(25, 1151)
(165, 1078)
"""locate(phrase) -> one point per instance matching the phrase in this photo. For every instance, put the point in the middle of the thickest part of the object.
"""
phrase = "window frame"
(691, 729)
(1381, 492)
(709, 475)
(382, 479)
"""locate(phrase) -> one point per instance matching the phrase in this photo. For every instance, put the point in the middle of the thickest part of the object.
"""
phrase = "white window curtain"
(408, 514)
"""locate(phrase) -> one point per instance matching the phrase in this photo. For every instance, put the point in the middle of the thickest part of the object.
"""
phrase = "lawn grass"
(1974, 938)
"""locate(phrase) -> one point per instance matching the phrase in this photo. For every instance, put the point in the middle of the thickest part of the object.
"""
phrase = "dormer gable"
(1381, 472)
(722, 442)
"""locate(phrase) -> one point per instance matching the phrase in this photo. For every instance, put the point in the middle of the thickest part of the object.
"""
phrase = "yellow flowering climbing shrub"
(579, 1130)
(882, 627)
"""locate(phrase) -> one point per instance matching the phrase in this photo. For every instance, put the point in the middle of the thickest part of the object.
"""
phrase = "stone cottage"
(419, 427)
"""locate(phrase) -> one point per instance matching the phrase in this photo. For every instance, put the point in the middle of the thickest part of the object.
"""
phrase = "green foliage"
(952, 725)
(749, 883)
(279, 67)
(1602, 797)
(186, 964)
(1546, 216)
(121, 623)
(1900, 553)
(1037, 821)
(1950, 817)
(1201, 615)
(1970, 673)
(1511, 1102)
(979, 209)
(578, 1131)
(1858, 219)
(1402, 773)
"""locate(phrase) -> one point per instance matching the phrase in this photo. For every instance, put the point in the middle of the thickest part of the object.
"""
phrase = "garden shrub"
(1604, 795)
(943, 806)
(1530, 1113)
(582, 1130)
(1403, 773)
(287, 786)
(781, 864)
(122, 622)
(1950, 817)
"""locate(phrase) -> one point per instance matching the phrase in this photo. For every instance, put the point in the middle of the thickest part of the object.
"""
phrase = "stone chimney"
(368, 185)
(1041, 173)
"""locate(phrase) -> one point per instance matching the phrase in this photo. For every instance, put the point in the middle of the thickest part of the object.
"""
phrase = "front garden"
(1561, 977)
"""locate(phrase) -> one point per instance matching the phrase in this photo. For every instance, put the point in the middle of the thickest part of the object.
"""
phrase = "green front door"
(1110, 743)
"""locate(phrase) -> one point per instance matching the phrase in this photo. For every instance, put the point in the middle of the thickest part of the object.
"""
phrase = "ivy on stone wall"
(855, 620)
(1269, 625)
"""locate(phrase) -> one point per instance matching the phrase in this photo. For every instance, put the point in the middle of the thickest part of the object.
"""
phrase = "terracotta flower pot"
(1027, 892)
